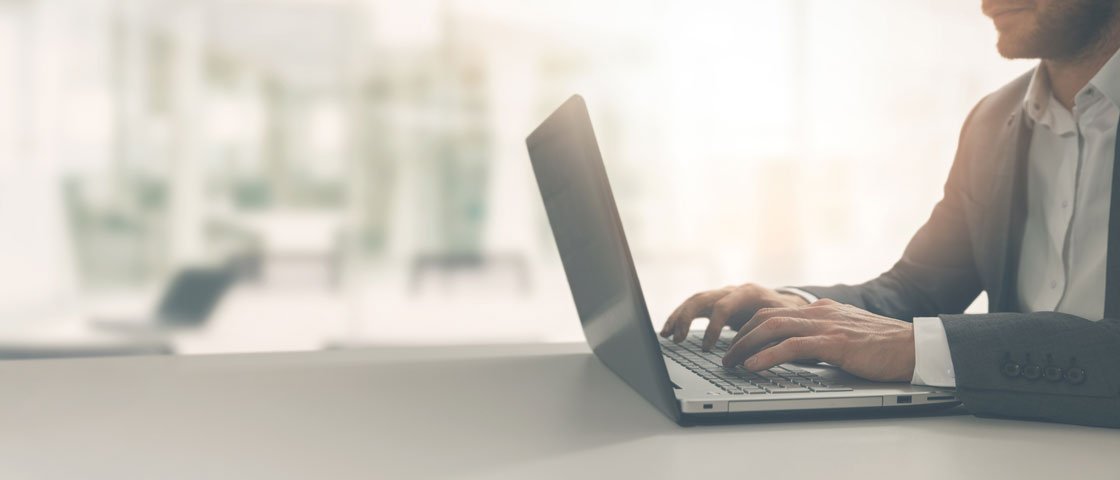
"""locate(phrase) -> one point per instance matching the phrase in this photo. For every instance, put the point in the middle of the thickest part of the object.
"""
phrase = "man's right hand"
(728, 306)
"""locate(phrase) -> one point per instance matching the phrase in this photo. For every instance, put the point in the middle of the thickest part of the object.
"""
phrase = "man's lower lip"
(1006, 15)
(1012, 11)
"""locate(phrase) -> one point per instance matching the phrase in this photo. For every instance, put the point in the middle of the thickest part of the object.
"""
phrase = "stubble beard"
(1065, 30)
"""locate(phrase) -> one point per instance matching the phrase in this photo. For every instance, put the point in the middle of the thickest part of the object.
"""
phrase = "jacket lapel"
(1008, 211)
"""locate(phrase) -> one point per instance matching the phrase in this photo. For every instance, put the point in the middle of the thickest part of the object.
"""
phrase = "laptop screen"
(588, 232)
(193, 295)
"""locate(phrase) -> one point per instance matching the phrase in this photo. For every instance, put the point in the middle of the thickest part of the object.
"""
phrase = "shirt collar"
(1107, 80)
(1039, 96)
(1037, 101)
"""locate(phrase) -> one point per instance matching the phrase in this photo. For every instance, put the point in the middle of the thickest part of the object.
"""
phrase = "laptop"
(187, 303)
(682, 381)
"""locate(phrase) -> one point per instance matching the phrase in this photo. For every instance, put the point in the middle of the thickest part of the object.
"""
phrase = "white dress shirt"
(1065, 242)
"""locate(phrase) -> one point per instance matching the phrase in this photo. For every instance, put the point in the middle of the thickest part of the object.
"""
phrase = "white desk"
(548, 411)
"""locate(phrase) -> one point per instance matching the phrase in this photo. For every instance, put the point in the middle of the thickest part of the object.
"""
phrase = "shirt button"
(1053, 284)
(1065, 203)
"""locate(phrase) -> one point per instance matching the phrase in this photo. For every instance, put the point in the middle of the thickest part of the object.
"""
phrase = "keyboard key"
(737, 380)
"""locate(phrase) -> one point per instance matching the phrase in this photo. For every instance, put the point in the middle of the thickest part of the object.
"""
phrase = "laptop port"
(904, 399)
(707, 406)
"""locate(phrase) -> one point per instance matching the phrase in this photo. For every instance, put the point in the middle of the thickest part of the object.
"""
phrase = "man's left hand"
(859, 342)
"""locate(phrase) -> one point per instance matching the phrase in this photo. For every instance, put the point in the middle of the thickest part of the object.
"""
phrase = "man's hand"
(862, 343)
(730, 306)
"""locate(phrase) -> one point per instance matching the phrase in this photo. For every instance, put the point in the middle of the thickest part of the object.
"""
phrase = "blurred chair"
(291, 241)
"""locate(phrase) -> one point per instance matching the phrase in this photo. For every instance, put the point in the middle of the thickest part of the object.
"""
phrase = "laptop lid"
(193, 295)
(593, 249)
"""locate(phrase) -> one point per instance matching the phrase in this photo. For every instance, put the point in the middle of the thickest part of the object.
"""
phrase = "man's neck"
(1069, 76)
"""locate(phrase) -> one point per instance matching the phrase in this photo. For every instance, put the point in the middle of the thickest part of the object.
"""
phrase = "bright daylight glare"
(360, 165)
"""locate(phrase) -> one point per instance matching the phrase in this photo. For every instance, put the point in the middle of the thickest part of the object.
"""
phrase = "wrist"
(911, 357)
(793, 299)
(803, 297)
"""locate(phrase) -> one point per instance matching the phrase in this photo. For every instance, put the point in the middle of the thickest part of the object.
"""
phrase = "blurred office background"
(359, 165)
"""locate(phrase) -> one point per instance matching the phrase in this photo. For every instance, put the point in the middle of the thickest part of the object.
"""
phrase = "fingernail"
(750, 364)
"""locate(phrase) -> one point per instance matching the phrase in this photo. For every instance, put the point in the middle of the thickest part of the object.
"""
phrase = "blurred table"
(517, 411)
(378, 309)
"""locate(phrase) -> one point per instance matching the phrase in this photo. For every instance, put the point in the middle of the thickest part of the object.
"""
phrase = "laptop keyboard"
(738, 380)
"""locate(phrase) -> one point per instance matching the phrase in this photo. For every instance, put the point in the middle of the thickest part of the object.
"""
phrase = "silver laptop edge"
(612, 310)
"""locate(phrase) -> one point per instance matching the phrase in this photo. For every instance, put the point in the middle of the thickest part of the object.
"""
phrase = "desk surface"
(544, 411)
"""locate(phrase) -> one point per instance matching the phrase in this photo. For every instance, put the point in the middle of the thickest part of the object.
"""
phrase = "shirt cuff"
(933, 366)
(799, 292)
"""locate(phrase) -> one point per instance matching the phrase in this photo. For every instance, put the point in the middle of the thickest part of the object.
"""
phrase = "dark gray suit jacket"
(971, 244)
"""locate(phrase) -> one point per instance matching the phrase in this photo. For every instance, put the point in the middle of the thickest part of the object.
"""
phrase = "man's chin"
(1014, 48)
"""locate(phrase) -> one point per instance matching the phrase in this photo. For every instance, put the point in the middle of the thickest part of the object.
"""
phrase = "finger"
(772, 330)
(671, 324)
(764, 314)
(788, 350)
(699, 307)
(667, 329)
(743, 298)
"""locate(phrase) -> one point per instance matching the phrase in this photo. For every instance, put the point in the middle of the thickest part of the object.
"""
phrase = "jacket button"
(1052, 373)
(1075, 376)
(1032, 371)
(1011, 369)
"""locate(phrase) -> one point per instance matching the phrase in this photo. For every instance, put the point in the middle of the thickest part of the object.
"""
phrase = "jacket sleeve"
(1040, 366)
(936, 274)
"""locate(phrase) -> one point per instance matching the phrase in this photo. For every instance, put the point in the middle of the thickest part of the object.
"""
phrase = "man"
(1029, 215)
